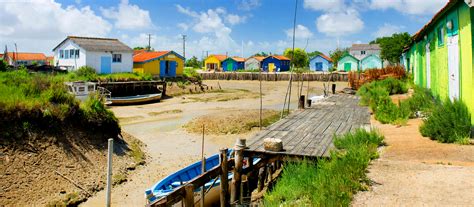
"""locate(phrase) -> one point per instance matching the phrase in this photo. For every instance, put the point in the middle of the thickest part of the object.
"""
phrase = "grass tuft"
(331, 182)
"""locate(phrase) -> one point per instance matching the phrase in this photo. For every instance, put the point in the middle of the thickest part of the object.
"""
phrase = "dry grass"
(232, 122)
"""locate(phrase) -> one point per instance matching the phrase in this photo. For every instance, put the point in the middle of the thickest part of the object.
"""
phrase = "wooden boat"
(81, 90)
(138, 99)
(175, 180)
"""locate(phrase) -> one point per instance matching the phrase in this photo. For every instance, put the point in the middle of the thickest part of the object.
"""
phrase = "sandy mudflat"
(170, 147)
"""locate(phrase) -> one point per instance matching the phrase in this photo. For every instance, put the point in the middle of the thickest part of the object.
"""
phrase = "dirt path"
(416, 171)
(159, 126)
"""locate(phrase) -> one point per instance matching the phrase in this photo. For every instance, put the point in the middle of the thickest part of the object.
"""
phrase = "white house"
(105, 55)
(254, 63)
(360, 51)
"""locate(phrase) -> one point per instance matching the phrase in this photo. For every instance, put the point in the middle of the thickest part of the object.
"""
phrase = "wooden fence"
(246, 178)
(335, 76)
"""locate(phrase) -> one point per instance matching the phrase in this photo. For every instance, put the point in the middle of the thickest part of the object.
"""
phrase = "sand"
(170, 147)
(416, 171)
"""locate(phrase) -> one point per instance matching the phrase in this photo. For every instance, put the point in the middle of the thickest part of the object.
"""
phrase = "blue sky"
(216, 26)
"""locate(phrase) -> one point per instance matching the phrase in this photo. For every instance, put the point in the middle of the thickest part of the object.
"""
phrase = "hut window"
(77, 53)
(362, 52)
(117, 58)
(61, 54)
(66, 54)
(440, 36)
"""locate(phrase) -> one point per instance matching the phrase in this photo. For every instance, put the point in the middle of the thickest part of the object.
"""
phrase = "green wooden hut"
(348, 63)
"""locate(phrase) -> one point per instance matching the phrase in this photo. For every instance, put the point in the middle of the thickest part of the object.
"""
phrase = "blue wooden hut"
(233, 64)
(370, 62)
(276, 63)
(320, 62)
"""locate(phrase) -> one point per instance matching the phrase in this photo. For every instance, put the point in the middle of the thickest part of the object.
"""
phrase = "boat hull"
(139, 99)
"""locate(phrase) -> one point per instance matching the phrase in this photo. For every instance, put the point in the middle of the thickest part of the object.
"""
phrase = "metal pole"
(109, 171)
(261, 102)
(184, 46)
(292, 55)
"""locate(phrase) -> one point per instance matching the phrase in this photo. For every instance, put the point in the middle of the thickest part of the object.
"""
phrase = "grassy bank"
(328, 183)
(41, 101)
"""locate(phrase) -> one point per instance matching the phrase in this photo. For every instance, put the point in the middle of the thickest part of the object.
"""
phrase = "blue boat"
(175, 180)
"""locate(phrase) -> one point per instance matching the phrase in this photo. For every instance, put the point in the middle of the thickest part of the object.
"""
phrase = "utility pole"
(184, 46)
(149, 42)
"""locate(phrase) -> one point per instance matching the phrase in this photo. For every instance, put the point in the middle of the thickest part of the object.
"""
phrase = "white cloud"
(44, 23)
(387, 30)
(235, 19)
(413, 7)
(248, 5)
(324, 5)
(340, 23)
(301, 32)
(128, 16)
(183, 26)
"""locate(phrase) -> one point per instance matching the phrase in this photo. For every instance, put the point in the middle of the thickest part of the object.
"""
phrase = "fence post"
(237, 179)
(109, 170)
(301, 102)
(224, 181)
(189, 195)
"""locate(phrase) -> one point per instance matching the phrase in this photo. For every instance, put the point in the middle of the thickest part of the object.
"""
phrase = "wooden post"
(237, 179)
(301, 102)
(333, 88)
(270, 172)
(109, 171)
(189, 196)
(224, 181)
(244, 189)
(261, 178)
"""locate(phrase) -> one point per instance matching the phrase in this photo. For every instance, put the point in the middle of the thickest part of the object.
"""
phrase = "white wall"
(93, 60)
(252, 64)
(356, 53)
(71, 63)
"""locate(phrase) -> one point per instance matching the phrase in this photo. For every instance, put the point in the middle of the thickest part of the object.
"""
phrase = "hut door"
(453, 66)
(229, 66)
(319, 66)
(428, 66)
(347, 67)
(271, 67)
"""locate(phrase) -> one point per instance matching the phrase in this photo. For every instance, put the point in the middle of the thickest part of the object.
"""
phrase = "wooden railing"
(245, 179)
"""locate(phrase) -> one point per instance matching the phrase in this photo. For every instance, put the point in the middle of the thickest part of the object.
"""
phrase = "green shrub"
(192, 74)
(449, 122)
(3, 66)
(86, 72)
(421, 100)
(331, 182)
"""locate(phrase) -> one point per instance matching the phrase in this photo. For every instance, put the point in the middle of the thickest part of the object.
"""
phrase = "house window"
(117, 58)
(77, 53)
(66, 54)
(71, 53)
(61, 54)
(362, 52)
(440, 36)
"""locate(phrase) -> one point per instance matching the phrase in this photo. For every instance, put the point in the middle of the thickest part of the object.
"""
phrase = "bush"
(192, 75)
(331, 182)
(449, 122)
(87, 72)
(421, 101)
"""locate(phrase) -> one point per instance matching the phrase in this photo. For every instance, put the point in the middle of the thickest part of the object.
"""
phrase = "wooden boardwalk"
(309, 132)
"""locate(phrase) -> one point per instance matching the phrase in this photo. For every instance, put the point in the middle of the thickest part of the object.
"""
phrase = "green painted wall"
(462, 16)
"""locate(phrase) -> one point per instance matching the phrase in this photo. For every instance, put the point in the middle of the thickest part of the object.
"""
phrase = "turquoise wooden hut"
(371, 61)
(348, 63)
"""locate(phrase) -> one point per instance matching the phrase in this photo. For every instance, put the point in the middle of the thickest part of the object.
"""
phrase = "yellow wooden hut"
(214, 62)
(162, 63)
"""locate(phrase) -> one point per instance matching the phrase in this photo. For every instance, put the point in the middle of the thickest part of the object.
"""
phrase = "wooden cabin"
(370, 62)
(159, 63)
(348, 63)
(214, 62)
(441, 54)
(233, 64)
(320, 62)
(254, 63)
(276, 63)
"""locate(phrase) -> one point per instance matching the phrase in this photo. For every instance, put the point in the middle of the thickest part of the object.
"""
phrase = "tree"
(300, 58)
(264, 54)
(3, 65)
(313, 54)
(337, 54)
(392, 47)
(193, 62)
(143, 48)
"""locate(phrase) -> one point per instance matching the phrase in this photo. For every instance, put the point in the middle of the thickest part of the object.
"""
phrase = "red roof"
(1, 55)
(146, 56)
(325, 57)
(280, 57)
(259, 58)
(418, 35)
(238, 59)
(136, 52)
(27, 56)
(220, 57)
